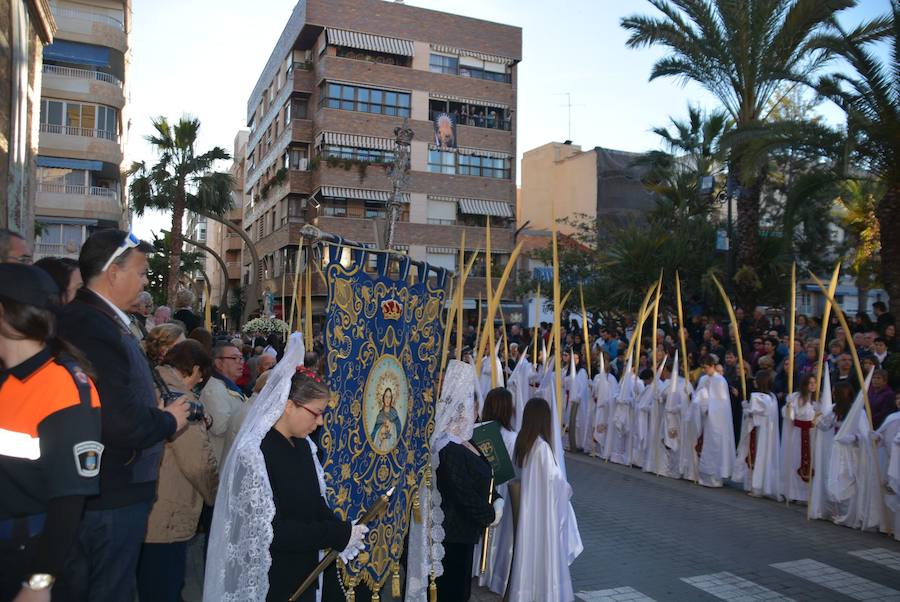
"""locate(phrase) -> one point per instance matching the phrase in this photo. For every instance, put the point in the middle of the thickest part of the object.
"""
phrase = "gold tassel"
(395, 583)
(351, 593)
(376, 597)
(432, 590)
(417, 509)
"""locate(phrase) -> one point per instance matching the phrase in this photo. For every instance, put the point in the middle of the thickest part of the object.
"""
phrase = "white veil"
(454, 422)
(238, 561)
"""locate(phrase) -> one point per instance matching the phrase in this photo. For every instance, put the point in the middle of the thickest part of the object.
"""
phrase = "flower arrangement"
(265, 326)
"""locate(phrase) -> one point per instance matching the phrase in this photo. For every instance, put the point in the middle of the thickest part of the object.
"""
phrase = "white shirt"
(122, 315)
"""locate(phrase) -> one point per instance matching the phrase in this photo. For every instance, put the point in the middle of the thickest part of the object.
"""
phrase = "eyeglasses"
(239, 358)
(23, 259)
(313, 412)
(131, 241)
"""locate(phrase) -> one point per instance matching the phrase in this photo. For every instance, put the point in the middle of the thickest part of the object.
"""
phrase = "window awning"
(75, 52)
(64, 163)
(473, 53)
(470, 101)
(483, 153)
(475, 151)
(442, 250)
(485, 207)
(354, 140)
(368, 41)
(68, 221)
(360, 193)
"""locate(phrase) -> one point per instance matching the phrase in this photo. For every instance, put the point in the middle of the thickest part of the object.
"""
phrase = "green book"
(489, 440)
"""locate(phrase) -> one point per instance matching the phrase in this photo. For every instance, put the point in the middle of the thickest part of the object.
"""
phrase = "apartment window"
(474, 165)
(336, 208)
(439, 63)
(296, 158)
(365, 100)
(59, 179)
(375, 210)
(441, 213)
(441, 162)
(442, 260)
(371, 155)
(79, 119)
(299, 107)
(475, 115)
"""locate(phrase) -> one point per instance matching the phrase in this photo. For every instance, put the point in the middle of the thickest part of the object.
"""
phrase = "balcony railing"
(84, 15)
(82, 74)
(75, 189)
(58, 249)
(67, 130)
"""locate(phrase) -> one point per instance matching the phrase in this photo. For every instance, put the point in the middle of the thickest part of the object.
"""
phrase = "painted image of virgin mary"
(387, 427)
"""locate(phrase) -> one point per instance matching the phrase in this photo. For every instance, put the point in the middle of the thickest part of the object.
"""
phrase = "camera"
(195, 410)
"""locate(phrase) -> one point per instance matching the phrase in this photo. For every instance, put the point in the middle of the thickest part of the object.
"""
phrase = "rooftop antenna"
(569, 105)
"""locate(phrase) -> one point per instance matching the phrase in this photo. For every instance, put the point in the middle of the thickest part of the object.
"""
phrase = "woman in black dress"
(303, 525)
(464, 482)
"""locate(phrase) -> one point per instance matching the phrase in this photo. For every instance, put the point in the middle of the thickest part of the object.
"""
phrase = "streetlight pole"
(399, 174)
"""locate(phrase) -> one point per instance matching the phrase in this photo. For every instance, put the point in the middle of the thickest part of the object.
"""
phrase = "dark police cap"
(28, 285)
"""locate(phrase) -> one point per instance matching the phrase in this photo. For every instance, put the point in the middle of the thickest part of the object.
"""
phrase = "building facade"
(80, 186)
(225, 280)
(343, 75)
(25, 27)
(600, 183)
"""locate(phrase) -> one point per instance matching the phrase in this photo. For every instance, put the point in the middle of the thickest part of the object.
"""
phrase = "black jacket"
(303, 523)
(133, 428)
(189, 320)
(464, 480)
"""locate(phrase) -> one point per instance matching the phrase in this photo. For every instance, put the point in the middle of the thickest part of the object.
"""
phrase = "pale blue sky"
(203, 57)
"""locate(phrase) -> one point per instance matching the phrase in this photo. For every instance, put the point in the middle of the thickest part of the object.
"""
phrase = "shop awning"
(367, 41)
(469, 101)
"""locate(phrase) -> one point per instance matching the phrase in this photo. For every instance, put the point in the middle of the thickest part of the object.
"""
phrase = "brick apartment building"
(342, 76)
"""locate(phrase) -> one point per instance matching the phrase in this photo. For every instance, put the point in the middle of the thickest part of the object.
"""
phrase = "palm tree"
(692, 149)
(855, 210)
(871, 99)
(741, 52)
(180, 180)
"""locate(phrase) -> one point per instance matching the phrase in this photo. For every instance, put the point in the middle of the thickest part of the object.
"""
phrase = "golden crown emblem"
(391, 309)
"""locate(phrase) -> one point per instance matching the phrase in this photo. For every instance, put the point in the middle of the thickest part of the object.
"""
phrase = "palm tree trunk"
(862, 297)
(223, 303)
(252, 296)
(888, 213)
(175, 251)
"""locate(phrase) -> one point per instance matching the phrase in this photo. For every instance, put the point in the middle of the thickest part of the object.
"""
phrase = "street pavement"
(651, 538)
(648, 538)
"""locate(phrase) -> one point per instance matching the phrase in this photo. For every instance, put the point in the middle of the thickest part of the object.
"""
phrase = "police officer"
(50, 448)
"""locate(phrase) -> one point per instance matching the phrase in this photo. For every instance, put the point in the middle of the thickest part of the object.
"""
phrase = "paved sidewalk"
(652, 538)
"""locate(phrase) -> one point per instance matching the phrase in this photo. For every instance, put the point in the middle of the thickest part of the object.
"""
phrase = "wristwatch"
(39, 582)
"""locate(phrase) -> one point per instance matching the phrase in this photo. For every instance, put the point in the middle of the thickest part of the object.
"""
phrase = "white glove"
(746, 405)
(356, 544)
(498, 511)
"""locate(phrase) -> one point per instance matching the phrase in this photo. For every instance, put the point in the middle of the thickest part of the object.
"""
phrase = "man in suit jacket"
(102, 565)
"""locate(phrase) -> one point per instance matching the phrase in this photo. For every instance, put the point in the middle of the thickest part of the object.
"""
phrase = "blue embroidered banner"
(383, 342)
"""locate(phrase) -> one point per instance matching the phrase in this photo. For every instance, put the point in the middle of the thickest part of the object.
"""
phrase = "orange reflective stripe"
(50, 388)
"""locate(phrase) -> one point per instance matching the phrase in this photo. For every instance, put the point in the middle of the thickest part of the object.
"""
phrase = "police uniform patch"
(87, 458)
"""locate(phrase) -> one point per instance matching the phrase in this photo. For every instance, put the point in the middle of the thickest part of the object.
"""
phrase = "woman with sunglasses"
(272, 521)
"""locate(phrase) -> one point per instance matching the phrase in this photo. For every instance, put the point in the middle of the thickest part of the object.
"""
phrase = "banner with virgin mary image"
(383, 343)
